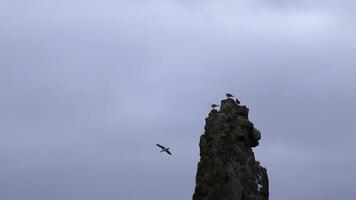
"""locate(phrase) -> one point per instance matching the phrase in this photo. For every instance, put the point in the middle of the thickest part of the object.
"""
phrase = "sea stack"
(227, 169)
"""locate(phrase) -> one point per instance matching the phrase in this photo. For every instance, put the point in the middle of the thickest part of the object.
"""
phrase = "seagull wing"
(168, 152)
(160, 146)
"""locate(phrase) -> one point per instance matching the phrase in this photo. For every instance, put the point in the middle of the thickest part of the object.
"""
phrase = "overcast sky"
(89, 87)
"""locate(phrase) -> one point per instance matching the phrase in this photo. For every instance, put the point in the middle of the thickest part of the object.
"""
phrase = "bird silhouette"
(164, 149)
(237, 101)
(213, 105)
(228, 95)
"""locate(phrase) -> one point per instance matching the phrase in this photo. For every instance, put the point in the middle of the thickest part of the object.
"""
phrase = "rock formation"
(227, 169)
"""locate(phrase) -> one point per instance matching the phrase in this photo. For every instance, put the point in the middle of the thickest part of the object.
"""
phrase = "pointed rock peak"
(227, 169)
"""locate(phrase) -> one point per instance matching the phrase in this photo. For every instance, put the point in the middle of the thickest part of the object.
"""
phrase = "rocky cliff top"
(227, 169)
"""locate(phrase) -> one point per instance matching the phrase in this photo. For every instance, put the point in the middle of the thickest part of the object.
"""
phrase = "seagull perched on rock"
(213, 105)
(237, 101)
(164, 149)
(228, 95)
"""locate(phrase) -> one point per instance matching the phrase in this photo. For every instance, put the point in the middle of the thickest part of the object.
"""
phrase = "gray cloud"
(88, 88)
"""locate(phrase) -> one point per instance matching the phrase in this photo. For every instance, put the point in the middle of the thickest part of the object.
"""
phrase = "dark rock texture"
(227, 169)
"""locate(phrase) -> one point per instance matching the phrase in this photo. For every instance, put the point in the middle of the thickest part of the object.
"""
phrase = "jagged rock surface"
(227, 169)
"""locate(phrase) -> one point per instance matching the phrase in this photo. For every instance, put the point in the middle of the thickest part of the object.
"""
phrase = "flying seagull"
(228, 95)
(164, 149)
(213, 105)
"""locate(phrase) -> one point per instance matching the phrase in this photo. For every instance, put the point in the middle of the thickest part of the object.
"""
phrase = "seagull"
(228, 95)
(237, 101)
(164, 149)
(213, 105)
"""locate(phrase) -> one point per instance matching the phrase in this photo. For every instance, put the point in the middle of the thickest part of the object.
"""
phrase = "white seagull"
(164, 149)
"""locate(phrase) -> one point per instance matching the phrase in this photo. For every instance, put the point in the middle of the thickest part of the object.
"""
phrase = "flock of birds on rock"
(212, 105)
(228, 95)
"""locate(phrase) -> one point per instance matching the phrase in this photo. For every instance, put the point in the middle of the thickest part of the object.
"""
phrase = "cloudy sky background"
(89, 87)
